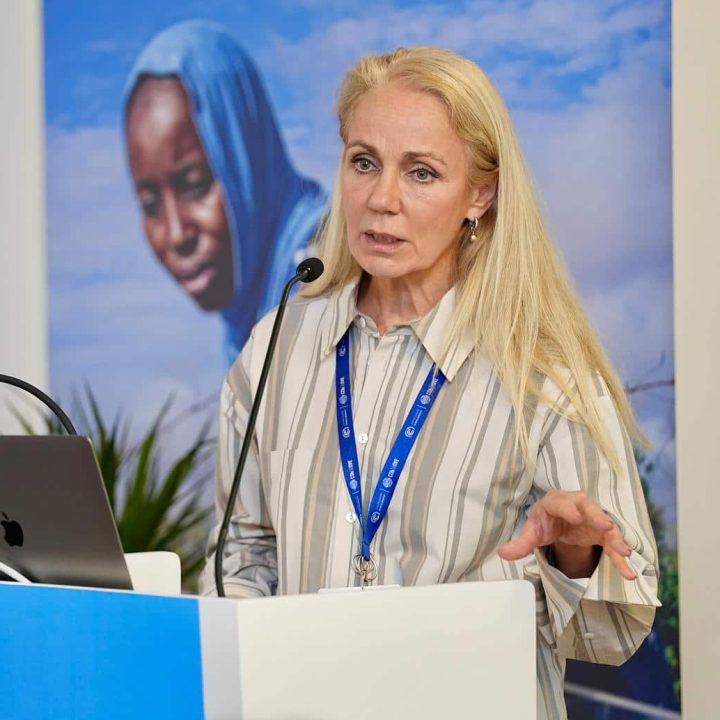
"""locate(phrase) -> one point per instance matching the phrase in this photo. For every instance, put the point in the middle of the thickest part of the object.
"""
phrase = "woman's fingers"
(613, 540)
(523, 544)
(562, 505)
(570, 518)
(618, 560)
(596, 516)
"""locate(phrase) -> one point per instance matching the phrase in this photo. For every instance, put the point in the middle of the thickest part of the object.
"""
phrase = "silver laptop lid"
(56, 525)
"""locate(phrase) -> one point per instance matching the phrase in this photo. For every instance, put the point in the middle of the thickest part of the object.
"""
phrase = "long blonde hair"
(513, 295)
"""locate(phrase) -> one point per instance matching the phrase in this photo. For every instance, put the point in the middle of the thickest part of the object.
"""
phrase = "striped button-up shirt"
(464, 491)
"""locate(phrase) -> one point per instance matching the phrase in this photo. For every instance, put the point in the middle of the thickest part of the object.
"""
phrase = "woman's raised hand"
(575, 526)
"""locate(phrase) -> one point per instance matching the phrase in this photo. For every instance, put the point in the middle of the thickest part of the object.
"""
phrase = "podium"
(446, 651)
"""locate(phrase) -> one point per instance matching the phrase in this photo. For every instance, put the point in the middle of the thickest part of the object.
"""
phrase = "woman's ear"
(482, 198)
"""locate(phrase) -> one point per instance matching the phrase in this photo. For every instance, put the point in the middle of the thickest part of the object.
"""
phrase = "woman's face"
(405, 188)
(181, 201)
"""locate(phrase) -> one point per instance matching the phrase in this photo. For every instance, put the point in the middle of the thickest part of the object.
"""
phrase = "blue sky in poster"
(588, 84)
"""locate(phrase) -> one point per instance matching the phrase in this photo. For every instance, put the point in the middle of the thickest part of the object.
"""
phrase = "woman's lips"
(197, 281)
(382, 240)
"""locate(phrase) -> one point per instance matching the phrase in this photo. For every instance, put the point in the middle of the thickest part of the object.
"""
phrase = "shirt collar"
(430, 329)
(339, 314)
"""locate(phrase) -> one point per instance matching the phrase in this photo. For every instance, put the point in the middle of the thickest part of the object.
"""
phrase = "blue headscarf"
(271, 210)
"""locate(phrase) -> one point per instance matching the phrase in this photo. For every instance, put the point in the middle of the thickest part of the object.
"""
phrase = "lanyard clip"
(366, 569)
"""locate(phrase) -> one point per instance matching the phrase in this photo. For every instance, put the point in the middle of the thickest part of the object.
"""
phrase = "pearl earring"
(473, 229)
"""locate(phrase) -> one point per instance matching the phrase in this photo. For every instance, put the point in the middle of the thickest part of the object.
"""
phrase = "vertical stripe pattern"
(464, 491)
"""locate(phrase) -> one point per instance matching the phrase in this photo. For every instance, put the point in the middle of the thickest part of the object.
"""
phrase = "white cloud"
(634, 321)
(603, 170)
(510, 32)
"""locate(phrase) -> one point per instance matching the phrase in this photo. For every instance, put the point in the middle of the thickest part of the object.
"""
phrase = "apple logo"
(13, 531)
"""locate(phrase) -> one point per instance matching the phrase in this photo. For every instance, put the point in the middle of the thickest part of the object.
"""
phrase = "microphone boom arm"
(307, 271)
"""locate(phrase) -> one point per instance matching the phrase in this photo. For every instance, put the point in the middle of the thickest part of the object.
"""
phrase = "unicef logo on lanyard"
(425, 400)
(375, 517)
(343, 399)
(410, 431)
(353, 484)
(387, 482)
(346, 432)
(342, 351)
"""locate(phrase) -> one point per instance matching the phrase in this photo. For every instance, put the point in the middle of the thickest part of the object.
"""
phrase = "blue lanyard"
(390, 474)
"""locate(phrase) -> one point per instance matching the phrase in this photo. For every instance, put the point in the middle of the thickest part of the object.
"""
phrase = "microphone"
(40, 395)
(307, 271)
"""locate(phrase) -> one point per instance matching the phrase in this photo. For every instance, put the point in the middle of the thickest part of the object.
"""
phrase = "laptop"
(56, 525)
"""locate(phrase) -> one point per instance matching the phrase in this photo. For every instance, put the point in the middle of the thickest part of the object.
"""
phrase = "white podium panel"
(447, 651)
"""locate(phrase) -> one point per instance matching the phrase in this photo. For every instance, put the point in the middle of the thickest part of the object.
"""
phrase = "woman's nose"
(179, 233)
(385, 195)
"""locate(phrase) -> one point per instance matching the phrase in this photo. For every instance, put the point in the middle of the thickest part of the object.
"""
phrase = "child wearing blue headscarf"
(224, 210)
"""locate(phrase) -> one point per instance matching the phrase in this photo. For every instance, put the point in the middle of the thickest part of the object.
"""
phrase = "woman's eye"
(362, 164)
(195, 185)
(424, 174)
(148, 204)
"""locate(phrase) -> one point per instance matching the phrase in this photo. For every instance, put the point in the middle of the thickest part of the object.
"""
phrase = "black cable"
(40, 395)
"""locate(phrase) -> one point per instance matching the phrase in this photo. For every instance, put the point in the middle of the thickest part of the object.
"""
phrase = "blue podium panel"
(72, 653)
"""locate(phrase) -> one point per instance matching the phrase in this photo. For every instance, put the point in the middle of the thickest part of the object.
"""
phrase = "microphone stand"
(40, 395)
(307, 271)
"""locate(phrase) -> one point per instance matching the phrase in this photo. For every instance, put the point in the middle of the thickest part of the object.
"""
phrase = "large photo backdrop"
(134, 329)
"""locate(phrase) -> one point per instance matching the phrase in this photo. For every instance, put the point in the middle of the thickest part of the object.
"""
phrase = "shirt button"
(362, 438)
(351, 517)
(588, 636)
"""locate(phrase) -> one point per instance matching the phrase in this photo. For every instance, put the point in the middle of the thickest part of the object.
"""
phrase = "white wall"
(696, 207)
(696, 156)
(23, 314)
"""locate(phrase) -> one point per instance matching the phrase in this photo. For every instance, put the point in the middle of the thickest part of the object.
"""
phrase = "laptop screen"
(56, 525)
